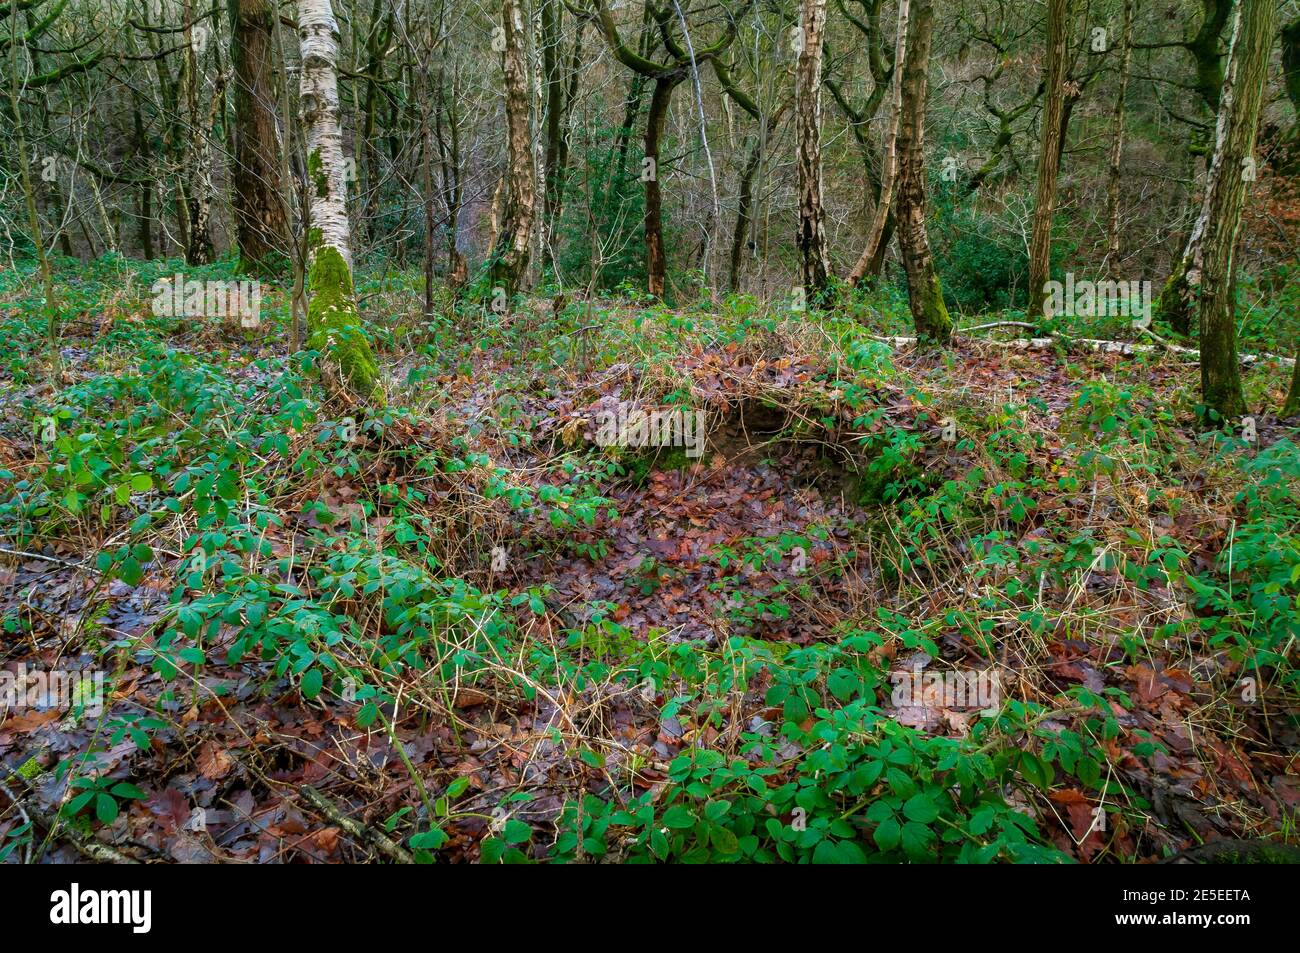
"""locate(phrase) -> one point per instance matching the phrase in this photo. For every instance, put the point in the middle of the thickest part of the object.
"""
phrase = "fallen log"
(1102, 346)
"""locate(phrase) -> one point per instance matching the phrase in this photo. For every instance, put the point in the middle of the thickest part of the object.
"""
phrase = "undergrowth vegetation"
(493, 638)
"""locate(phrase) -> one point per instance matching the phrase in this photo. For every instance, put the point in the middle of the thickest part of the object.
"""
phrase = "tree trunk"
(1049, 153)
(744, 213)
(296, 223)
(1204, 47)
(1292, 406)
(174, 138)
(426, 174)
(29, 197)
(333, 323)
(378, 39)
(552, 76)
(1177, 303)
(1290, 159)
(144, 209)
(1117, 145)
(198, 246)
(510, 254)
(1178, 296)
(562, 159)
(873, 256)
(261, 228)
(449, 166)
(683, 62)
(632, 102)
(814, 262)
(1239, 108)
(655, 258)
(929, 313)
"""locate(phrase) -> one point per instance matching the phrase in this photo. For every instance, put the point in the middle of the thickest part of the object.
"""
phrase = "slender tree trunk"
(198, 248)
(295, 227)
(632, 102)
(1292, 406)
(174, 139)
(333, 323)
(144, 209)
(1049, 153)
(426, 176)
(814, 262)
(1239, 108)
(925, 295)
(261, 226)
(449, 164)
(1291, 80)
(1117, 144)
(873, 255)
(562, 158)
(1067, 112)
(29, 197)
(745, 206)
(744, 213)
(1177, 301)
(552, 76)
(509, 262)
(683, 62)
(377, 41)
(110, 233)
(655, 256)
(142, 153)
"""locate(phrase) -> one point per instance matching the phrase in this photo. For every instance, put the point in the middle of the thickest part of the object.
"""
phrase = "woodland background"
(360, 579)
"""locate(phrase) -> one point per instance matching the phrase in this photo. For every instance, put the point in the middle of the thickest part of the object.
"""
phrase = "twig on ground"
(379, 841)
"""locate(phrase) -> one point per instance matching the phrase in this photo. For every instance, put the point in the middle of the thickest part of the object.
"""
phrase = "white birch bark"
(319, 33)
(333, 322)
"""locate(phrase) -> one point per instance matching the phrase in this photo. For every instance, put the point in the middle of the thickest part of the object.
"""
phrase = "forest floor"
(460, 628)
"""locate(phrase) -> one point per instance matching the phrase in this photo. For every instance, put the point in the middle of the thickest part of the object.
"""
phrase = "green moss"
(933, 323)
(1175, 305)
(334, 327)
(316, 172)
(874, 482)
(1265, 854)
(1221, 388)
(1244, 852)
(639, 464)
